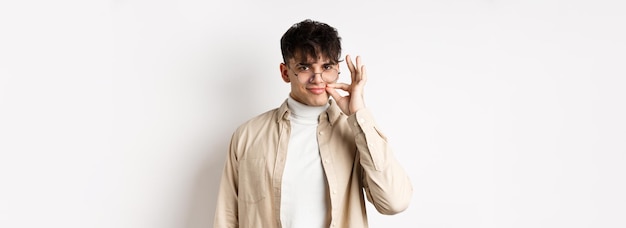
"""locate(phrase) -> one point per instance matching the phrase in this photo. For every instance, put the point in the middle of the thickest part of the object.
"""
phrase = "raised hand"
(354, 101)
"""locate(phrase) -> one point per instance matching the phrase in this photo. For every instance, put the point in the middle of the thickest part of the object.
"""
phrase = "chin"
(313, 100)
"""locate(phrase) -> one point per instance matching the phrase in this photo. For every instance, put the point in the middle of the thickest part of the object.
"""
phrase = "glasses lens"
(330, 75)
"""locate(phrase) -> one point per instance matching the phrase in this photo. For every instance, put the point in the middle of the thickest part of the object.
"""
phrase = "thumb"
(333, 93)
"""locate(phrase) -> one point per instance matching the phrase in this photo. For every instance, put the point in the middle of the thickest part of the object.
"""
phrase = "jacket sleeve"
(226, 211)
(387, 185)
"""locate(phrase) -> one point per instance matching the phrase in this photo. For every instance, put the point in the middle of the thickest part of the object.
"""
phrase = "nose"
(314, 78)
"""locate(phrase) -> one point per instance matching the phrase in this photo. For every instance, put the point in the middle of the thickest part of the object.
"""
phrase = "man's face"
(308, 85)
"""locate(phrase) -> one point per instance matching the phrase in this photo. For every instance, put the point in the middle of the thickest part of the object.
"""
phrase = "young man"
(309, 162)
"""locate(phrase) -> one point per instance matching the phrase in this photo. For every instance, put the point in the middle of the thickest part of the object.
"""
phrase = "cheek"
(296, 84)
(300, 89)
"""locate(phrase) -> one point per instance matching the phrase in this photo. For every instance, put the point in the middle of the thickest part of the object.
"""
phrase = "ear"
(284, 72)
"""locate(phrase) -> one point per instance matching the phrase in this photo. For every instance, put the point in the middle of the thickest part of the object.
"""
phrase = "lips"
(317, 91)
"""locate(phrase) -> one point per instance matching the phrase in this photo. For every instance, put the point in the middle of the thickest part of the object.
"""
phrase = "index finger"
(351, 67)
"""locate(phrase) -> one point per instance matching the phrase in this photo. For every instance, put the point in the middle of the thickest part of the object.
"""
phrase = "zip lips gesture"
(352, 102)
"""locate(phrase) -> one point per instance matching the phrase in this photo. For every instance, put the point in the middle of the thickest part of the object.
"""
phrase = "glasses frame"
(313, 74)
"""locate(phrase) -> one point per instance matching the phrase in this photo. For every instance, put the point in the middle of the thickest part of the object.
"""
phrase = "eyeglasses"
(306, 73)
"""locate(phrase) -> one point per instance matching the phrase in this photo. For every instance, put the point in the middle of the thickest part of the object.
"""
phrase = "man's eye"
(303, 68)
(328, 67)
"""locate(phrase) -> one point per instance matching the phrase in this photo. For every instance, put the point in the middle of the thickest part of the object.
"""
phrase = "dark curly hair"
(311, 38)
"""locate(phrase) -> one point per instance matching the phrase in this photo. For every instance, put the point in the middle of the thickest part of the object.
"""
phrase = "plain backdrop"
(118, 114)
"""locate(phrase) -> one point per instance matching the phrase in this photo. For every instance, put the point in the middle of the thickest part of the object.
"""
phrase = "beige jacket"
(355, 156)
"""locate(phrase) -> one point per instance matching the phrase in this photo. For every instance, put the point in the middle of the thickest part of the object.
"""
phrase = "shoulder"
(266, 119)
(254, 132)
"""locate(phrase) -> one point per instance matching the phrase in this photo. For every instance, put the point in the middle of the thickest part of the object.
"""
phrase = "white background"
(117, 114)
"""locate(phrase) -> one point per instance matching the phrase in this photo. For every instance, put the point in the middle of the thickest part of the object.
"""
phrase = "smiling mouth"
(317, 91)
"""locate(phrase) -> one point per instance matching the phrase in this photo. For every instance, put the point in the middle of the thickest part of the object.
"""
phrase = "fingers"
(356, 71)
(351, 67)
(333, 93)
(363, 75)
(341, 86)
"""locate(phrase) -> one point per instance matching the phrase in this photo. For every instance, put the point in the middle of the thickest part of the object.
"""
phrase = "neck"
(300, 110)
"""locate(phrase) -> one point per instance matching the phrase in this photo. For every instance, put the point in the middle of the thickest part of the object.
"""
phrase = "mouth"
(317, 91)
